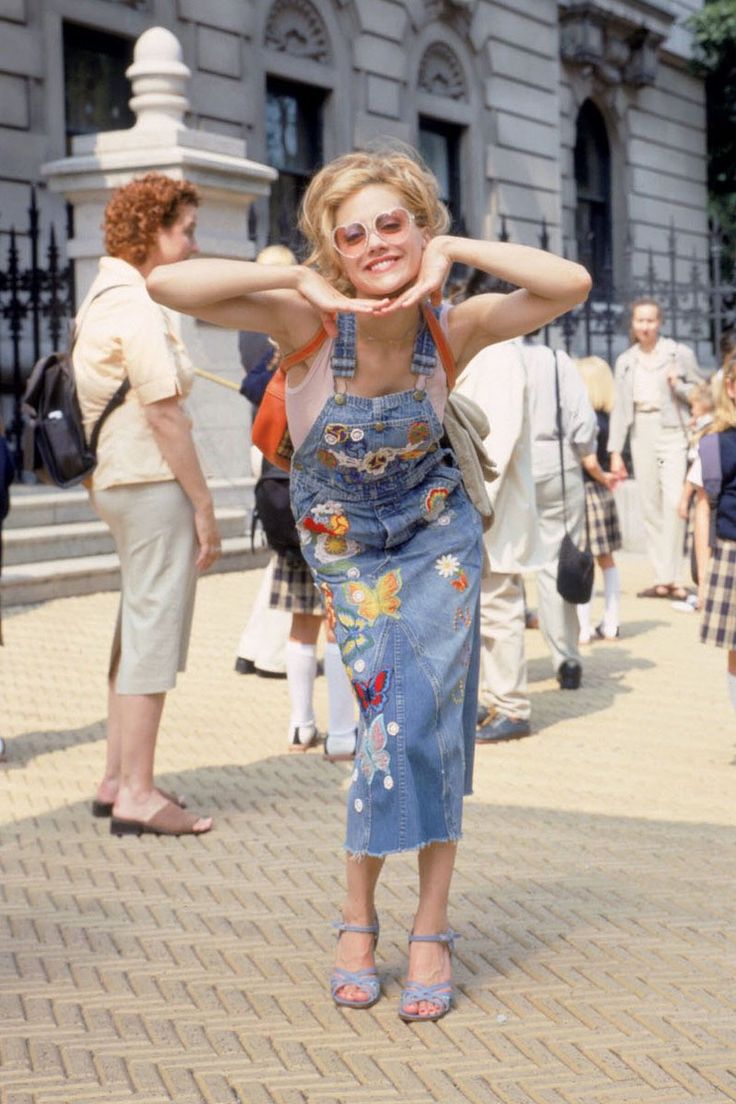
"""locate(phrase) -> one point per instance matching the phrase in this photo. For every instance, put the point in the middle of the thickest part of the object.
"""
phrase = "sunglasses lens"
(350, 239)
(392, 225)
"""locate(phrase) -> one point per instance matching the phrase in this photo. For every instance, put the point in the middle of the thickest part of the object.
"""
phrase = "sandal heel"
(125, 828)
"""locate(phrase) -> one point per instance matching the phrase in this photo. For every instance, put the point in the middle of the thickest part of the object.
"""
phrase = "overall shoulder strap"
(442, 345)
(709, 448)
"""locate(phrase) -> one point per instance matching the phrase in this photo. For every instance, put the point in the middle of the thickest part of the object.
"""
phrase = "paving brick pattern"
(595, 889)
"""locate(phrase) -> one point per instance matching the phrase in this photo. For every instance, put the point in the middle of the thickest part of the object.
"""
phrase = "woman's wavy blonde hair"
(398, 168)
(598, 379)
(725, 414)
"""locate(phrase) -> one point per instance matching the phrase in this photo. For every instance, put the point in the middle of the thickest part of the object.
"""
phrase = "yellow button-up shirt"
(123, 333)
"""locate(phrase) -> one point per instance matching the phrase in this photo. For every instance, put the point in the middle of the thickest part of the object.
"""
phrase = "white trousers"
(263, 639)
(660, 466)
(503, 665)
(558, 619)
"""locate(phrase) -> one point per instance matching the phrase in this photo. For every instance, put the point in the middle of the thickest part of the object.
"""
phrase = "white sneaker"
(303, 737)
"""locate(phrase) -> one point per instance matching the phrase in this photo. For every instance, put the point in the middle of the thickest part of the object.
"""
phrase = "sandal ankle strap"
(366, 929)
(447, 937)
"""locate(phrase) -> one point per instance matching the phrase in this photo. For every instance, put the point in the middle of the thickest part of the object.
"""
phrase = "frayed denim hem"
(358, 856)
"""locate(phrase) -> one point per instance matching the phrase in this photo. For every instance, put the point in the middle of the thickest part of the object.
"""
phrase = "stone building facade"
(580, 113)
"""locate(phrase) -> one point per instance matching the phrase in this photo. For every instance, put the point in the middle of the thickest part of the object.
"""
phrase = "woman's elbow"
(155, 284)
(581, 283)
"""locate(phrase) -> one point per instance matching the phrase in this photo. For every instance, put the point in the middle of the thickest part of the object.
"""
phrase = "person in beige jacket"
(653, 380)
(148, 487)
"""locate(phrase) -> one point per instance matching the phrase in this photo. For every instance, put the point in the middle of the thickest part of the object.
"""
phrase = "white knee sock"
(732, 689)
(301, 671)
(340, 694)
(612, 587)
(584, 621)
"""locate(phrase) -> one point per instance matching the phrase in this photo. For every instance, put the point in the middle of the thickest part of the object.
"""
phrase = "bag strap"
(115, 400)
(435, 328)
(562, 461)
(710, 458)
(559, 437)
(112, 404)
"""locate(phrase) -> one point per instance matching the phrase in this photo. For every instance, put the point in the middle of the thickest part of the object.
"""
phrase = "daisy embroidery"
(446, 566)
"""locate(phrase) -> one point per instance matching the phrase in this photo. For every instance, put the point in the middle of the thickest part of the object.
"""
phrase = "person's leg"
(584, 622)
(503, 663)
(356, 950)
(263, 640)
(558, 619)
(646, 476)
(301, 671)
(429, 963)
(732, 677)
(672, 455)
(612, 591)
(341, 738)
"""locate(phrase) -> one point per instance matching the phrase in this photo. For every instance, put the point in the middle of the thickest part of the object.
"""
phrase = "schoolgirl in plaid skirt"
(601, 516)
(715, 526)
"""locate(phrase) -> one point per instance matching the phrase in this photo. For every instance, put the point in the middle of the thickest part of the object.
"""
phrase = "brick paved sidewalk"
(595, 889)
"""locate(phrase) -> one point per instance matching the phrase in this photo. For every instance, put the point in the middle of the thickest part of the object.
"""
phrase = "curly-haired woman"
(148, 487)
(387, 526)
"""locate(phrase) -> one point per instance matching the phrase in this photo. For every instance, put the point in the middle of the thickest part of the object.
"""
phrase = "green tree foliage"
(714, 31)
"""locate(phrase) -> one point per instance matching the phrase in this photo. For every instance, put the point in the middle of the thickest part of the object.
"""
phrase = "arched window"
(593, 203)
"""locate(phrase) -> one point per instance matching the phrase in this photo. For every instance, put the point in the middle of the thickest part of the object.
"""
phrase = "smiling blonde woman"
(387, 527)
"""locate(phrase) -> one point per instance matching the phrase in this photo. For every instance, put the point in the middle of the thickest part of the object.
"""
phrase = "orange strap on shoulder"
(315, 342)
(442, 345)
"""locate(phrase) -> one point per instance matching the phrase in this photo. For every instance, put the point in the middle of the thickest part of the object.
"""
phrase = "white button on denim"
(388, 782)
(358, 805)
(357, 435)
(353, 573)
(392, 728)
(359, 665)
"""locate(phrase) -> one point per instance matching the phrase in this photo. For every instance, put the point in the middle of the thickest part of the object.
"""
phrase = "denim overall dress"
(395, 546)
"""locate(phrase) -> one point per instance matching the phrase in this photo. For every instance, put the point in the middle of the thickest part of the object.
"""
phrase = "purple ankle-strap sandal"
(440, 995)
(366, 979)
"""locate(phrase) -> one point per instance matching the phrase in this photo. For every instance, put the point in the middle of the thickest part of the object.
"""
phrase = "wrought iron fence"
(36, 300)
(698, 309)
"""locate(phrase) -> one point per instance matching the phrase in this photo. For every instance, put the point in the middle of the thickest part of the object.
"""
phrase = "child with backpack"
(715, 526)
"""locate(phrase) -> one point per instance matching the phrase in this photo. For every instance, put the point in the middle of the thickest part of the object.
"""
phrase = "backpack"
(273, 511)
(54, 446)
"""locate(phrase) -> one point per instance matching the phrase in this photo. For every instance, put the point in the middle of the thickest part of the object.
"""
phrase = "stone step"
(22, 584)
(68, 540)
(35, 505)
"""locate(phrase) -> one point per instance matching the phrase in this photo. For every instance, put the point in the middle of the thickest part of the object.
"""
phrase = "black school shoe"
(569, 675)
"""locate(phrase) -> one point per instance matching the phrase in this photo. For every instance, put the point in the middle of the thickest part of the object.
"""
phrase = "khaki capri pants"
(152, 525)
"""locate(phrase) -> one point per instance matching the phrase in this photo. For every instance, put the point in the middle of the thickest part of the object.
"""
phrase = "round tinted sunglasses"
(392, 227)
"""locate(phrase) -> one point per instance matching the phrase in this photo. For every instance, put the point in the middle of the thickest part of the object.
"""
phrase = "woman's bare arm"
(286, 301)
(548, 287)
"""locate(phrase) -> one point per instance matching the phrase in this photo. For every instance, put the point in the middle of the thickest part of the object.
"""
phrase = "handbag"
(465, 423)
(575, 566)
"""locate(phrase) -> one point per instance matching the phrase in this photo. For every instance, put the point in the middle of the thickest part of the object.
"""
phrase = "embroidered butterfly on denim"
(379, 601)
(373, 753)
(371, 691)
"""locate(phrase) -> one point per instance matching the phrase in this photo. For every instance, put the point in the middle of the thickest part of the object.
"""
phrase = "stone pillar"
(228, 182)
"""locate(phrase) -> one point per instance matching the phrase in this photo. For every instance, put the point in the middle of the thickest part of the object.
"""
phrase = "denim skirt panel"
(395, 547)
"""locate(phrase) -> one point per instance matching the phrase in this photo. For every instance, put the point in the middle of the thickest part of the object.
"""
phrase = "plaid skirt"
(293, 589)
(719, 614)
(602, 519)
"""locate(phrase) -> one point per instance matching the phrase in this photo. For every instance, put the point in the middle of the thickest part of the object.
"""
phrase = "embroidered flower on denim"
(418, 433)
(446, 566)
(373, 754)
(463, 618)
(333, 549)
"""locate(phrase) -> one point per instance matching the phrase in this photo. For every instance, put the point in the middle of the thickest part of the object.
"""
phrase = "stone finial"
(159, 77)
